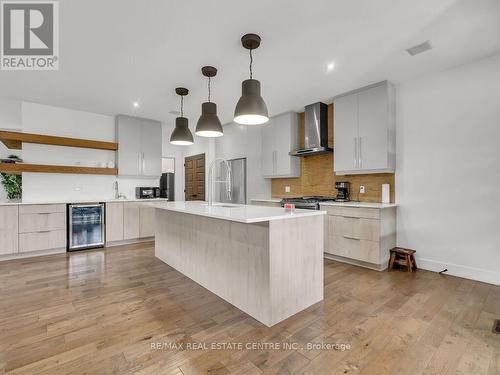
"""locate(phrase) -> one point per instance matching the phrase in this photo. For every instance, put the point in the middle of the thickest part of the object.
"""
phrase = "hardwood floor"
(100, 312)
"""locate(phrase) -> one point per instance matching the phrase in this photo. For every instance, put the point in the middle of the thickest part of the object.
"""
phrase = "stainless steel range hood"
(315, 131)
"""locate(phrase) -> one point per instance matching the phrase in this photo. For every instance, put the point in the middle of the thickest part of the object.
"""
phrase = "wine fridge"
(85, 226)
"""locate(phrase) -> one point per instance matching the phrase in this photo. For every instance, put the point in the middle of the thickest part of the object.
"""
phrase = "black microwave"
(147, 192)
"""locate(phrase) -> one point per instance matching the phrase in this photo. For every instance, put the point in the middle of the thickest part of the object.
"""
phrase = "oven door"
(85, 226)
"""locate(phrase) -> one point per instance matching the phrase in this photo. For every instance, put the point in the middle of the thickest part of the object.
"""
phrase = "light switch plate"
(361, 189)
(287, 189)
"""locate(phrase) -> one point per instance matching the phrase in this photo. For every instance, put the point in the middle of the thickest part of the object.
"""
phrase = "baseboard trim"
(32, 254)
(465, 272)
(129, 242)
(354, 262)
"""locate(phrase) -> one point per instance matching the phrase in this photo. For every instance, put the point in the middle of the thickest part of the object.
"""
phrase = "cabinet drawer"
(367, 213)
(360, 228)
(42, 240)
(42, 222)
(42, 209)
(366, 251)
(333, 245)
(334, 225)
(353, 227)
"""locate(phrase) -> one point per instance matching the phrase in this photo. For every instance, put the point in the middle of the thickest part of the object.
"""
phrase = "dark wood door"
(194, 167)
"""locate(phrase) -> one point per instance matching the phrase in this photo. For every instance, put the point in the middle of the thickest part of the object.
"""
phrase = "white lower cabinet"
(114, 222)
(146, 222)
(42, 227)
(362, 236)
(131, 221)
(9, 232)
(44, 240)
(128, 221)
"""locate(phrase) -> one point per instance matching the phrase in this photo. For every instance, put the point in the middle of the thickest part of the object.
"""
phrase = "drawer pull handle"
(44, 231)
(351, 217)
(352, 238)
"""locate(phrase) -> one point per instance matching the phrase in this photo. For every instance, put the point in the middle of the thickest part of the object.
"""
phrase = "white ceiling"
(114, 52)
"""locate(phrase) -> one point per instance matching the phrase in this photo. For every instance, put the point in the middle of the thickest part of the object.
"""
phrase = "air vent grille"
(419, 48)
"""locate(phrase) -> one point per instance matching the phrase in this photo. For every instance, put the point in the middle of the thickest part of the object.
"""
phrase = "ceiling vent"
(419, 48)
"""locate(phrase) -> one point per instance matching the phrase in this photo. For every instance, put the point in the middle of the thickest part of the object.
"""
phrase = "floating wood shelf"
(15, 140)
(38, 168)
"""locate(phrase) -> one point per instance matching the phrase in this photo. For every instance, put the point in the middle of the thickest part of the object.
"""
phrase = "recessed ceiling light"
(331, 66)
(135, 104)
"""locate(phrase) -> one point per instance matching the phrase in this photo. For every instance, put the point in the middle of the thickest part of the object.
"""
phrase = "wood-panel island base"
(271, 270)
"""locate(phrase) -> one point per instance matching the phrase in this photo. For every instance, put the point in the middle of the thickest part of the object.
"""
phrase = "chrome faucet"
(117, 194)
(212, 181)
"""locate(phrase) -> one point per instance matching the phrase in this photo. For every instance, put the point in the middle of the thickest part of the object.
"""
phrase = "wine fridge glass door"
(86, 226)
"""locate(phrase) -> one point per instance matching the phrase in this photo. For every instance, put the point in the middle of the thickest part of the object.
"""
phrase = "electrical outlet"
(287, 189)
(361, 189)
(77, 188)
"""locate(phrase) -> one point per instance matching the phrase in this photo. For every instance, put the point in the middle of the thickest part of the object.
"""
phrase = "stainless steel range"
(308, 203)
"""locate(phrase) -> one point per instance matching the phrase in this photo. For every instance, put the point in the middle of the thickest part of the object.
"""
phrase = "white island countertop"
(240, 213)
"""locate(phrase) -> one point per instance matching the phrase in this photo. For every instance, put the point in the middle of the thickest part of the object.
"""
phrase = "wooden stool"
(402, 257)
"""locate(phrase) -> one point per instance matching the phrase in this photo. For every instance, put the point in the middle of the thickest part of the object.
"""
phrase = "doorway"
(194, 169)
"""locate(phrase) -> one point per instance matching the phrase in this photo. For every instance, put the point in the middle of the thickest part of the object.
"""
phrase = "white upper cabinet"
(139, 146)
(364, 131)
(280, 136)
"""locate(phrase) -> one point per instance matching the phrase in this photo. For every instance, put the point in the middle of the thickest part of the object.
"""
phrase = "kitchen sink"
(225, 205)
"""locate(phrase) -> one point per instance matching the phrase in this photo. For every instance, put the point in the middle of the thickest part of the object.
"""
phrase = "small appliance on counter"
(85, 226)
(167, 186)
(147, 192)
(342, 191)
(306, 203)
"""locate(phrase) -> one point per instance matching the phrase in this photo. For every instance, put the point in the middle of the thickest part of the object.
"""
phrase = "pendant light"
(209, 124)
(181, 134)
(251, 108)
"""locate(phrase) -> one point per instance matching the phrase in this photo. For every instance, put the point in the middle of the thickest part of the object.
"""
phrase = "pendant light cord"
(251, 62)
(182, 106)
(209, 78)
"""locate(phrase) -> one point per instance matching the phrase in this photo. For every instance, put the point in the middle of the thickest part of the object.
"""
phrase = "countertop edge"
(283, 216)
(360, 205)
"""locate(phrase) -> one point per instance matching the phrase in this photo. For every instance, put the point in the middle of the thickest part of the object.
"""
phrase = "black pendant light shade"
(251, 108)
(209, 124)
(181, 135)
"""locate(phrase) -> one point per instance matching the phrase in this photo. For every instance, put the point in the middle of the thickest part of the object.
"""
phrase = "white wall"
(10, 119)
(448, 170)
(43, 119)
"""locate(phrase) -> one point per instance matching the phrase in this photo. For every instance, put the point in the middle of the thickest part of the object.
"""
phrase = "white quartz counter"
(359, 204)
(239, 213)
(267, 200)
(20, 203)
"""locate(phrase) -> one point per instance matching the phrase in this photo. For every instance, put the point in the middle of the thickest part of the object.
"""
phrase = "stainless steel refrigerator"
(238, 182)
(167, 186)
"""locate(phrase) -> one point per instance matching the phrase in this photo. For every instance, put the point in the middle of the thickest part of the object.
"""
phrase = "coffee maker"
(342, 191)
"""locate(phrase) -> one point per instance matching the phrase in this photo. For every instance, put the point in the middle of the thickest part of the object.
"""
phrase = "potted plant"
(12, 182)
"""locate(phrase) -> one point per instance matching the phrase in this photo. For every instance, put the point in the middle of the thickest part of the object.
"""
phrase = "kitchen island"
(264, 260)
